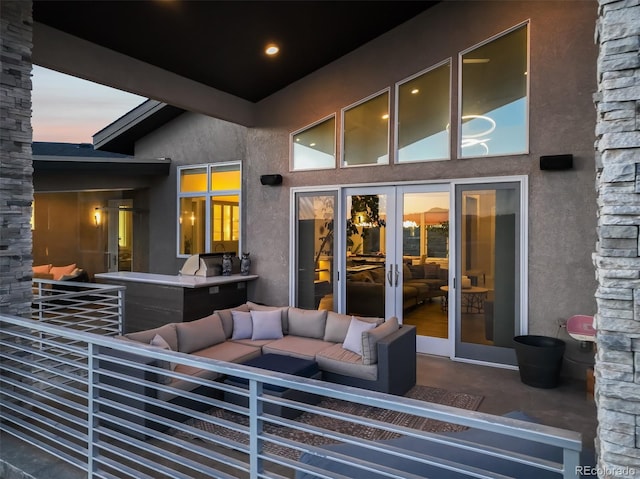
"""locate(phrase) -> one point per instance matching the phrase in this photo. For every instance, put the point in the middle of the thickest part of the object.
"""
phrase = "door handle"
(390, 276)
(397, 275)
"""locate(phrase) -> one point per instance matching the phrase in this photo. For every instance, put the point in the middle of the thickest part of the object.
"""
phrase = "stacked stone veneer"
(16, 168)
(617, 257)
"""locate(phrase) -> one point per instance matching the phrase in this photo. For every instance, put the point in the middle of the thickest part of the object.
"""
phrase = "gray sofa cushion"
(338, 324)
(338, 360)
(227, 318)
(307, 323)
(370, 339)
(200, 334)
(226, 351)
(266, 325)
(284, 311)
(306, 348)
(242, 325)
(168, 333)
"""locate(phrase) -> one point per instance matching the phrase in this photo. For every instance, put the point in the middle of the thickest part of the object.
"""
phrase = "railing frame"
(102, 456)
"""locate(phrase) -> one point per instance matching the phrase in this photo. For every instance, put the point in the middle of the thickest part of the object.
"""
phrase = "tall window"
(209, 208)
(424, 106)
(494, 93)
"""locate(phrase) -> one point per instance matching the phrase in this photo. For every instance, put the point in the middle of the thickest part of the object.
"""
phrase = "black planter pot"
(539, 360)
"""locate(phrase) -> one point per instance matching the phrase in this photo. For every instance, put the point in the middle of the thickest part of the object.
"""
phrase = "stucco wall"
(190, 139)
(562, 211)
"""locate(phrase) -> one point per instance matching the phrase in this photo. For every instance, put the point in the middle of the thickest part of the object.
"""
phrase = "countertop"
(174, 280)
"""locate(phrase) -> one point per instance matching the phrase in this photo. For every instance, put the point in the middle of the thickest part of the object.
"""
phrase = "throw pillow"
(370, 339)
(284, 310)
(338, 325)
(59, 271)
(227, 318)
(266, 325)
(307, 323)
(353, 340)
(168, 333)
(242, 325)
(200, 334)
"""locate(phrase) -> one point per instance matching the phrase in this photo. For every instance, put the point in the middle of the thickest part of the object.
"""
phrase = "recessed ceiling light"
(312, 144)
(272, 49)
(415, 91)
(385, 116)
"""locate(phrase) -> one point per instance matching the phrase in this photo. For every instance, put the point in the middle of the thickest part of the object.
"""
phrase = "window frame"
(526, 24)
(209, 194)
(396, 117)
(391, 119)
(292, 167)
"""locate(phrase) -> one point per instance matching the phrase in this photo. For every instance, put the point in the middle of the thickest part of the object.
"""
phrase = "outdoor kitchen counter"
(183, 281)
(152, 300)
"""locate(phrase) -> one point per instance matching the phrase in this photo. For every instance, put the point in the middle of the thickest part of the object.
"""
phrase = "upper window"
(314, 147)
(494, 94)
(424, 105)
(209, 208)
(366, 132)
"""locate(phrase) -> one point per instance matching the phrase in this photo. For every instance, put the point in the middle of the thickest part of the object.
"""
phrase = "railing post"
(121, 312)
(571, 463)
(255, 428)
(91, 405)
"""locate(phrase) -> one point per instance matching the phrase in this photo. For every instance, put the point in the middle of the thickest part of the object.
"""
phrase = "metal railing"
(89, 307)
(124, 411)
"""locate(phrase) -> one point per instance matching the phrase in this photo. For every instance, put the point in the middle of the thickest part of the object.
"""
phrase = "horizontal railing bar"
(189, 463)
(19, 434)
(46, 407)
(43, 340)
(56, 439)
(81, 394)
(39, 365)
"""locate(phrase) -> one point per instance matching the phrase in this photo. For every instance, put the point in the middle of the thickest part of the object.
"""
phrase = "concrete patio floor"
(566, 406)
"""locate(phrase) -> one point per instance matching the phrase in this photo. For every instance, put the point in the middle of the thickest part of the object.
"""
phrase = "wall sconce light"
(97, 216)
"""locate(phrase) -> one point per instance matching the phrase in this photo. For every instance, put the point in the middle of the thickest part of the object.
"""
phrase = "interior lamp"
(97, 216)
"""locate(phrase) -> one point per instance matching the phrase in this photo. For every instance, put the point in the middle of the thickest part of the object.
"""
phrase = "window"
(366, 132)
(209, 208)
(314, 147)
(494, 96)
(423, 106)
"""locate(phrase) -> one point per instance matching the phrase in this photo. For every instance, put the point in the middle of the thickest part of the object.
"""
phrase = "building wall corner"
(16, 168)
(617, 255)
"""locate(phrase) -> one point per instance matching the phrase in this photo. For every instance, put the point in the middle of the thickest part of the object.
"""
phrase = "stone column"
(16, 167)
(617, 259)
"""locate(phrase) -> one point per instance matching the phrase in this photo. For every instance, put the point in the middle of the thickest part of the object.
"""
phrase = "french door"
(397, 258)
(490, 271)
(446, 258)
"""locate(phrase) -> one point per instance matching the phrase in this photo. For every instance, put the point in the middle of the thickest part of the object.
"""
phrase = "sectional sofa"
(364, 352)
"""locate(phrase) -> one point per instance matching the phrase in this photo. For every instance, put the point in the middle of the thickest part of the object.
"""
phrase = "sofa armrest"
(397, 360)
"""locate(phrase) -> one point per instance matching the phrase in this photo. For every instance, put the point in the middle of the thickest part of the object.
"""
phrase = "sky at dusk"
(71, 110)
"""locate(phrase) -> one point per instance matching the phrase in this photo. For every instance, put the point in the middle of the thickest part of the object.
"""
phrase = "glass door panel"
(120, 235)
(487, 293)
(424, 235)
(315, 219)
(366, 247)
